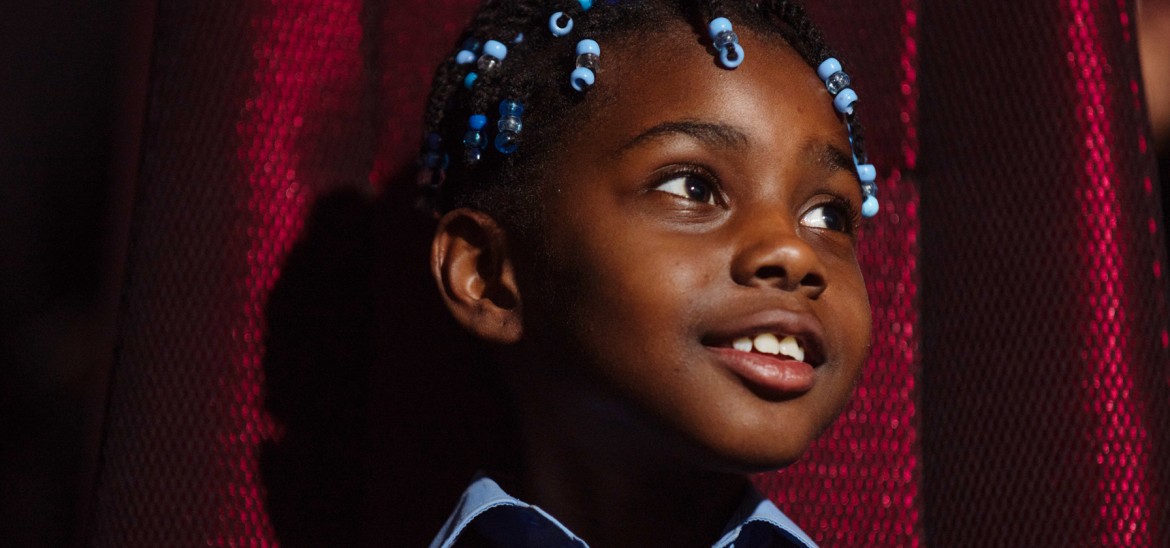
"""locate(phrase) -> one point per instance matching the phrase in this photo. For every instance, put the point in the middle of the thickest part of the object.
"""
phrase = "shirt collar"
(512, 522)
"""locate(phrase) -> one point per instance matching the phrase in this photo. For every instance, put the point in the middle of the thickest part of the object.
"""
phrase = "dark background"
(74, 78)
(72, 101)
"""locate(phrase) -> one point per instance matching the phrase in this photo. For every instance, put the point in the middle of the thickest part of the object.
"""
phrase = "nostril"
(771, 272)
(812, 279)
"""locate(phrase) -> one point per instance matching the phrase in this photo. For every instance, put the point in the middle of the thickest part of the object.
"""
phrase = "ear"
(470, 262)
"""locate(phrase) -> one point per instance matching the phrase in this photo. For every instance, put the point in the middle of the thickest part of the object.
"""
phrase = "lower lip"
(776, 375)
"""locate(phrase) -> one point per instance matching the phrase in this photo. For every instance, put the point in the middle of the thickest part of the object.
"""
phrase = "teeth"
(767, 343)
(789, 347)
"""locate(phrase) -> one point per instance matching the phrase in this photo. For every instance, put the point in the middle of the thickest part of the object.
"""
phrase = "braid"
(715, 9)
(525, 77)
(443, 86)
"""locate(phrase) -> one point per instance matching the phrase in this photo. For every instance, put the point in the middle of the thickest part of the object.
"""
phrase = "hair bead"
(469, 52)
(473, 140)
(495, 49)
(560, 24)
(585, 4)
(582, 79)
(432, 159)
(588, 62)
(731, 57)
(869, 207)
(470, 79)
(837, 82)
(828, 67)
(726, 42)
(509, 126)
(844, 101)
(494, 53)
(867, 173)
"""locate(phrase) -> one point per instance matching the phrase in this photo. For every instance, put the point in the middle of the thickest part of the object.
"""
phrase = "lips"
(776, 353)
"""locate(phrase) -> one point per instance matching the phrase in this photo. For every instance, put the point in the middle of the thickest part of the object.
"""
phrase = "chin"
(756, 453)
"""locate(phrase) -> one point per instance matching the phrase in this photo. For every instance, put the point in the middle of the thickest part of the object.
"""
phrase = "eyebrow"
(711, 134)
(832, 157)
(719, 135)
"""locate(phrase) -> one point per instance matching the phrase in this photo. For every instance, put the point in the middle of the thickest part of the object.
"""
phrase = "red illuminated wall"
(1018, 387)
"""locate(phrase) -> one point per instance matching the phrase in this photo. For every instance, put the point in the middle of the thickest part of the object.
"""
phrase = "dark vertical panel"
(69, 105)
(1044, 410)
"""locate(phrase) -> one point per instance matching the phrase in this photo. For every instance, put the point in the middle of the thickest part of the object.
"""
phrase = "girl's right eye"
(689, 186)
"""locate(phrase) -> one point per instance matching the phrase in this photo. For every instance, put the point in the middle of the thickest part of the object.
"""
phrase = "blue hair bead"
(844, 101)
(507, 143)
(582, 78)
(828, 67)
(556, 27)
(510, 108)
(588, 62)
(724, 39)
(477, 121)
(585, 4)
(730, 60)
(495, 49)
(588, 46)
(473, 139)
(465, 57)
(509, 125)
(718, 25)
(469, 80)
(518, 39)
(866, 172)
(869, 207)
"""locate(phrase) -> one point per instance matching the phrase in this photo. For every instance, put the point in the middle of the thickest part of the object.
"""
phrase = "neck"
(620, 494)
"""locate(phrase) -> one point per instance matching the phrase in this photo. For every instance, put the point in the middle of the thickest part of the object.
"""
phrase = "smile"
(770, 343)
(776, 353)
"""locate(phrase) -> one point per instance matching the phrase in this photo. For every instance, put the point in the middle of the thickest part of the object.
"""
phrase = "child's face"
(694, 207)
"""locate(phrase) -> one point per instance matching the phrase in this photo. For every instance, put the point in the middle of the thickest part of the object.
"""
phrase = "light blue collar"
(508, 521)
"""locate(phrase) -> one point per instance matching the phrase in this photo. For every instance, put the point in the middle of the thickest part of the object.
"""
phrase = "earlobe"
(472, 266)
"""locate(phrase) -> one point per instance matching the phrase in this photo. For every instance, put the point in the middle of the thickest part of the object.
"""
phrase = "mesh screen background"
(257, 109)
(1044, 417)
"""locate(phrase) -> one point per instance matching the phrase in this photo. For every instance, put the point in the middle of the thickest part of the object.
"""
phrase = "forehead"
(671, 74)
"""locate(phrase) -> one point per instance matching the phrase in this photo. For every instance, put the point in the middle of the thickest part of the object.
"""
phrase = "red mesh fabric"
(254, 108)
(1044, 408)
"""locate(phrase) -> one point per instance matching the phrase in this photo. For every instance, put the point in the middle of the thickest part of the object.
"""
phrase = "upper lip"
(779, 321)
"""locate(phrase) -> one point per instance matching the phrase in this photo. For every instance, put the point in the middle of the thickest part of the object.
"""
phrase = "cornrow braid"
(536, 76)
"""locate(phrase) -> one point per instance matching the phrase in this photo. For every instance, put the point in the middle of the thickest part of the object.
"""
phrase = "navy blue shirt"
(487, 516)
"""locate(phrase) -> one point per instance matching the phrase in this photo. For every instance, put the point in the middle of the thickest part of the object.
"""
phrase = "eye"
(835, 215)
(689, 186)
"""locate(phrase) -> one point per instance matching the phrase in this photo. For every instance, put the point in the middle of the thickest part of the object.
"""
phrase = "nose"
(773, 255)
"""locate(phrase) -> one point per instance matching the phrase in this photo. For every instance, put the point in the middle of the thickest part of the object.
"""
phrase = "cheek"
(852, 325)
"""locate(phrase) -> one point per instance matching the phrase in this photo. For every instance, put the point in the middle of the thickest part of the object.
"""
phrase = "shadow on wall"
(385, 412)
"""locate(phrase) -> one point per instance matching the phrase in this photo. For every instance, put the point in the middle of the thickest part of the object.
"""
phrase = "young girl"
(647, 211)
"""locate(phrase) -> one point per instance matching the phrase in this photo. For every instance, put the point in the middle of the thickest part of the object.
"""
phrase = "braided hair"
(535, 74)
